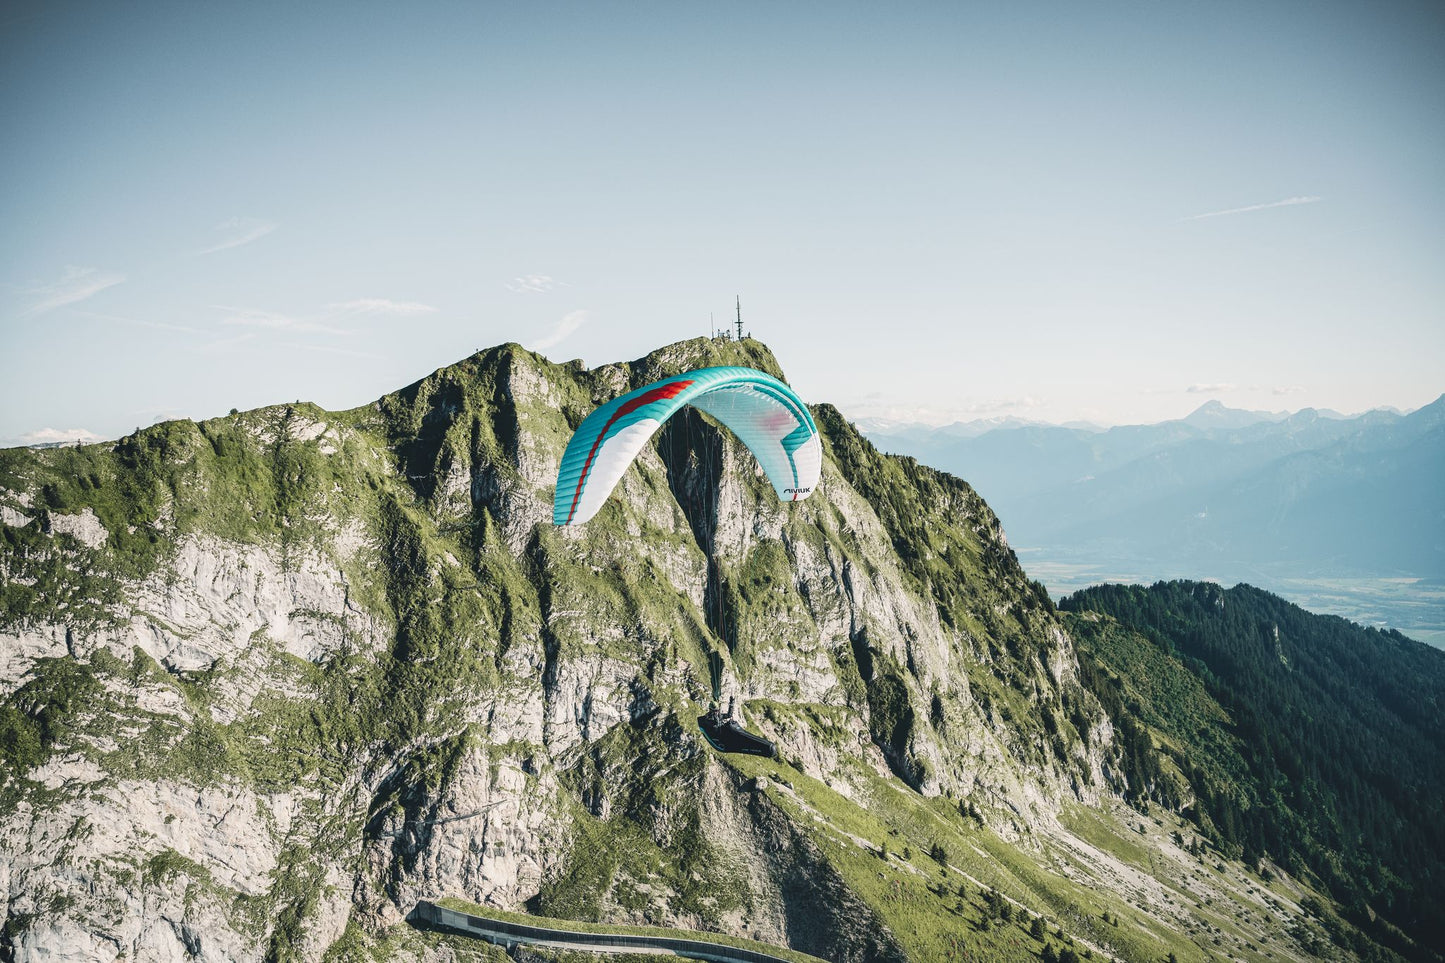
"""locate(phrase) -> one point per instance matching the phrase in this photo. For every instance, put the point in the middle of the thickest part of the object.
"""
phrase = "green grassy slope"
(1307, 739)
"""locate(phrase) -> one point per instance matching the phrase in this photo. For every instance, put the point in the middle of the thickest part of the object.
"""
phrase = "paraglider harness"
(725, 734)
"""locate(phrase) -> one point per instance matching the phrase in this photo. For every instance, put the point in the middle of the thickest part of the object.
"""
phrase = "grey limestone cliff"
(270, 679)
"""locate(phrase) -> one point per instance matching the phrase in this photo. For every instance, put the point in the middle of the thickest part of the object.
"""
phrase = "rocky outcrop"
(285, 673)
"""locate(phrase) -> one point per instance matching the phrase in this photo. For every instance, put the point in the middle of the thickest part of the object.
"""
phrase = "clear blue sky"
(931, 210)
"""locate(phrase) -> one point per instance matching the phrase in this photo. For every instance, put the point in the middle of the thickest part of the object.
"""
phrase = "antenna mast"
(740, 317)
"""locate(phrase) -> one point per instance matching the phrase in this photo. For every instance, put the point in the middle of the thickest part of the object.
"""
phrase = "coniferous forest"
(1299, 740)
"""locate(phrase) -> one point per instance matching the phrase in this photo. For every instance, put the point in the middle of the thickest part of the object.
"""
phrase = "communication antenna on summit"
(740, 317)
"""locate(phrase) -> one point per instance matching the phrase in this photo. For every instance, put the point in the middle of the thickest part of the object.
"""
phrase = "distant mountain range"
(1223, 493)
(1212, 415)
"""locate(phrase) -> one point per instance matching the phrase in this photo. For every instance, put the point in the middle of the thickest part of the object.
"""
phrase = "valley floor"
(1412, 604)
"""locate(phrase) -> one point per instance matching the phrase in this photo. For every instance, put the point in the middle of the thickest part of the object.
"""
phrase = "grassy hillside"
(1306, 740)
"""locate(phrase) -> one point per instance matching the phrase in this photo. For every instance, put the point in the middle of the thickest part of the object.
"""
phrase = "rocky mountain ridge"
(270, 679)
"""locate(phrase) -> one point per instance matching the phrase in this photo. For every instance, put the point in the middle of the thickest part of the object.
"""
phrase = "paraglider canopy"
(763, 412)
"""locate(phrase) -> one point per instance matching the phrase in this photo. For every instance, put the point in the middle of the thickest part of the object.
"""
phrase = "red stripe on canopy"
(661, 393)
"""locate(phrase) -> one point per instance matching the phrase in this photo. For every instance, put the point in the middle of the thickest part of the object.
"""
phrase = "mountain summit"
(1215, 414)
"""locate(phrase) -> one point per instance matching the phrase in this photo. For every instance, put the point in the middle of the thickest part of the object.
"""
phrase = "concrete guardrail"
(509, 934)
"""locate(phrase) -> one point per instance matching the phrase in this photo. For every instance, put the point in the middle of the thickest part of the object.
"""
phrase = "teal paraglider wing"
(763, 412)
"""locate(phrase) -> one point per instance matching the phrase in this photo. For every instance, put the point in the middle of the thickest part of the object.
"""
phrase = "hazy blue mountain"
(1222, 493)
(1215, 414)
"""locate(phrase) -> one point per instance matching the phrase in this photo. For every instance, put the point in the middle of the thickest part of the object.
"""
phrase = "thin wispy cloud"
(563, 330)
(237, 231)
(60, 436)
(874, 405)
(140, 322)
(154, 415)
(1289, 389)
(1210, 388)
(533, 284)
(906, 414)
(272, 320)
(1000, 405)
(325, 322)
(77, 284)
(380, 306)
(1287, 202)
(226, 344)
(331, 349)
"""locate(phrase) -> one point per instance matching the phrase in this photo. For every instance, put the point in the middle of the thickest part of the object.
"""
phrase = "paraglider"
(760, 410)
(763, 412)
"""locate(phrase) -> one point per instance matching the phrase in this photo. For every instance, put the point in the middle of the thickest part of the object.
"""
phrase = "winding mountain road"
(509, 934)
